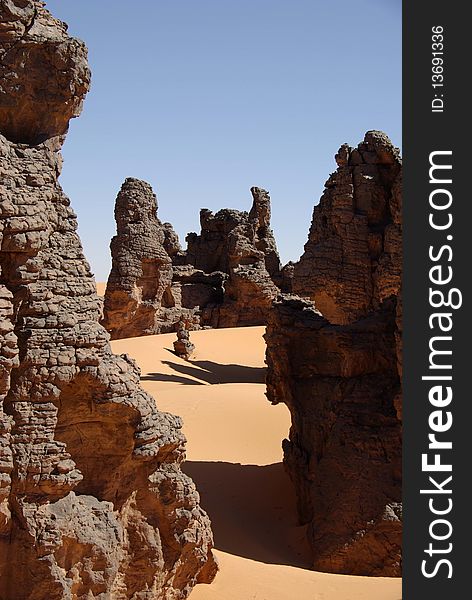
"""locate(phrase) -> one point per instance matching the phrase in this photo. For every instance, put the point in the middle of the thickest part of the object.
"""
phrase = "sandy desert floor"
(234, 456)
(101, 287)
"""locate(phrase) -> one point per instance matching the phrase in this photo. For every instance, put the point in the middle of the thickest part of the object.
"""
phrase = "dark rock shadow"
(210, 372)
(252, 510)
(170, 379)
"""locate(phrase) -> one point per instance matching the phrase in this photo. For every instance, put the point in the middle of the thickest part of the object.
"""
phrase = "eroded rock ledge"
(139, 298)
(228, 276)
(334, 358)
(93, 503)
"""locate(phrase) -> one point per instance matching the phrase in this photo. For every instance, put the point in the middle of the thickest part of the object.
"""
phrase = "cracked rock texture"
(227, 277)
(139, 298)
(32, 43)
(352, 259)
(334, 359)
(150, 287)
(93, 503)
(242, 246)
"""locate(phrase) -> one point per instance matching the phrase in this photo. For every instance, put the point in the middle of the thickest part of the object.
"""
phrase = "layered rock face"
(146, 292)
(32, 41)
(227, 277)
(139, 299)
(335, 360)
(93, 503)
(199, 293)
(242, 246)
(352, 260)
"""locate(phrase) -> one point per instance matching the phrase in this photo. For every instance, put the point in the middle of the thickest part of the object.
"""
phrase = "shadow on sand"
(170, 379)
(252, 510)
(207, 371)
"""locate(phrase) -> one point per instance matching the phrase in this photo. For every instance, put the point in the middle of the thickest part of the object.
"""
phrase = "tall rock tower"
(93, 503)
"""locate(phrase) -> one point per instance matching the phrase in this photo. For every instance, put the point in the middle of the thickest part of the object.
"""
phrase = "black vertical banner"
(437, 316)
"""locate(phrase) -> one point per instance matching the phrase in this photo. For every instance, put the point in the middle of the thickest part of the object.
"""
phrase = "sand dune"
(234, 455)
(220, 393)
(101, 287)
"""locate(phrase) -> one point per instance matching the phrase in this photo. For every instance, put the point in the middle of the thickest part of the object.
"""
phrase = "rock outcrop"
(171, 241)
(32, 41)
(183, 347)
(228, 276)
(200, 293)
(352, 260)
(93, 503)
(138, 298)
(335, 359)
(242, 246)
(150, 286)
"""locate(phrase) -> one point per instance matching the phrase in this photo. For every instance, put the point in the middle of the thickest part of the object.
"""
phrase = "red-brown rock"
(227, 277)
(242, 246)
(139, 299)
(31, 43)
(335, 360)
(151, 287)
(93, 503)
(352, 259)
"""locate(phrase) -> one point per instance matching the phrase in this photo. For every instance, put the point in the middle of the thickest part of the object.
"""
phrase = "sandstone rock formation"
(150, 287)
(171, 241)
(352, 260)
(183, 347)
(241, 245)
(138, 298)
(31, 41)
(93, 503)
(200, 293)
(227, 277)
(336, 363)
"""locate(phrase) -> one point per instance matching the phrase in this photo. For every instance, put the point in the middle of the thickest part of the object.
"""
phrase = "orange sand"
(234, 456)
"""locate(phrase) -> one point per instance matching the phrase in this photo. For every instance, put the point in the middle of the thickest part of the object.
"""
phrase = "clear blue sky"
(206, 98)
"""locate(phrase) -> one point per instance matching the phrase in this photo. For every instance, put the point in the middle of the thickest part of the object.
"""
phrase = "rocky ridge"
(334, 358)
(241, 245)
(93, 503)
(226, 277)
(140, 298)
